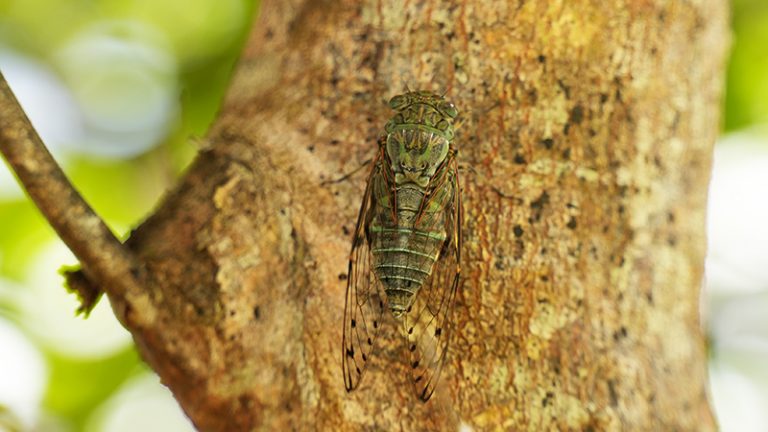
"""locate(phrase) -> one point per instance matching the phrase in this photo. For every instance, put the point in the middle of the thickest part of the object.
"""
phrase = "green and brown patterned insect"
(407, 244)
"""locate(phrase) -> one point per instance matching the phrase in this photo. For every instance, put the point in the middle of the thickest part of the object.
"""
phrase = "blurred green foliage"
(77, 386)
(746, 94)
(24, 233)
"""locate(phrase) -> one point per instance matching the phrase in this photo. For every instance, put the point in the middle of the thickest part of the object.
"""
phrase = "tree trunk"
(585, 153)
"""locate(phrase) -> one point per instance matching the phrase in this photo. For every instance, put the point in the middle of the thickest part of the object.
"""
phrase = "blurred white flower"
(119, 96)
(737, 281)
(142, 404)
(44, 98)
(125, 81)
(23, 375)
(739, 403)
(738, 214)
(48, 104)
(47, 311)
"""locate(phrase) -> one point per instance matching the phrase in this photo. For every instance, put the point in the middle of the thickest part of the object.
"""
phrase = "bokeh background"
(116, 88)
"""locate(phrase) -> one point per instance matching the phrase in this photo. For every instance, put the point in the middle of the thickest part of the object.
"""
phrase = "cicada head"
(419, 135)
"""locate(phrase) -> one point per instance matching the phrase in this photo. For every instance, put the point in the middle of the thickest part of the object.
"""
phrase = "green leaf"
(78, 386)
(23, 231)
(746, 95)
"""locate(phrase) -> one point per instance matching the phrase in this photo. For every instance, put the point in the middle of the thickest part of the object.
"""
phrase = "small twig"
(105, 260)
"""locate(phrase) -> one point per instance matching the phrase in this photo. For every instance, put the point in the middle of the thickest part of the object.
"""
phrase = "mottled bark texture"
(585, 149)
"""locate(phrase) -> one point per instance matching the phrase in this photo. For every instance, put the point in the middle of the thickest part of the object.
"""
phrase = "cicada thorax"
(406, 236)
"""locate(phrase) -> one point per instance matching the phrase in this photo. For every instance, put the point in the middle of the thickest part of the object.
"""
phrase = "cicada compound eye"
(449, 109)
(398, 102)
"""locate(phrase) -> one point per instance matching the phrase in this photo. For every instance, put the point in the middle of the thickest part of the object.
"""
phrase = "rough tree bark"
(586, 145)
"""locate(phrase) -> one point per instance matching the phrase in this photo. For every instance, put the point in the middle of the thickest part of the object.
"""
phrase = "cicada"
(406, 247)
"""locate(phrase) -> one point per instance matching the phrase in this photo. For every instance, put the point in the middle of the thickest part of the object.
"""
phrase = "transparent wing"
(428, 324)
(363, 305)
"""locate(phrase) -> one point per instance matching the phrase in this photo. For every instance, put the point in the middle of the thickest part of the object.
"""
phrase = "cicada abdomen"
(406, 247)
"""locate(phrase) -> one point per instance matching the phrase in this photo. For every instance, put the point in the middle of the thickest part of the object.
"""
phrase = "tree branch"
(106, 262)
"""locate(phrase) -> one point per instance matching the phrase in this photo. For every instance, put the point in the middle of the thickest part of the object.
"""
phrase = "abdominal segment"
(405, 250)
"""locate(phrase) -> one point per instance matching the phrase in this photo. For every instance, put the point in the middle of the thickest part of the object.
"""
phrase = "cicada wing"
(363, 305)
(428, 324)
